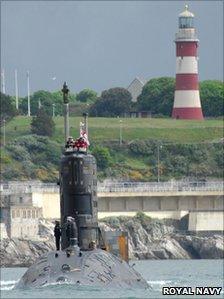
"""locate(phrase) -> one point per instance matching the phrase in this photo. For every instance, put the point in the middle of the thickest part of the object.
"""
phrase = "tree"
(42, 124)
(8, 109)
(87, 95)
(46, 99)
(42, 97)
(157, 96)
(212, 96)
(113, 102)
(58, 101)
(102, 156)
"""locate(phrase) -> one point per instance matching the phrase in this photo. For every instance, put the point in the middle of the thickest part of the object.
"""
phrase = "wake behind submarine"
(85, 258)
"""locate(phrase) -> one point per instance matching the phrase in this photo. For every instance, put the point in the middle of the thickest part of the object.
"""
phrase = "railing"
(186, 35)
(28, 188)
(134, 187)
(162, 187)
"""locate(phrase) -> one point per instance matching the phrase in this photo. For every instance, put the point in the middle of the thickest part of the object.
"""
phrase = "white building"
(18, 217)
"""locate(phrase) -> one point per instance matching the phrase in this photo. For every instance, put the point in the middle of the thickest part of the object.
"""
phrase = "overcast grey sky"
(102, 44)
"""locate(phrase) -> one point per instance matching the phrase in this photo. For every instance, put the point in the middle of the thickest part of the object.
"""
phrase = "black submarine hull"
(96, 268)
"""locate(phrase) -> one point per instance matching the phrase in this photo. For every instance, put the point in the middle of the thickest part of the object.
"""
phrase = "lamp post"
(4, 132)
(28, 93)
(39, 104)
(120, 135)
(53, 110)
(158, 161)
(16, 90)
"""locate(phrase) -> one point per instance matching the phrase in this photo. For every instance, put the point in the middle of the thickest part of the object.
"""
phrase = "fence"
(120, 187)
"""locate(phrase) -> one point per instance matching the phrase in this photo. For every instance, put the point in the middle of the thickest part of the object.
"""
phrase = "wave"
(158, 282)
(7, 285)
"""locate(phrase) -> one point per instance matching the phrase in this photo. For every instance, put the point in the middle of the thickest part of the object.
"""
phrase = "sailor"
(92, 245)
(71, 231)
(57, 234)
(80, 144)
(69, 142)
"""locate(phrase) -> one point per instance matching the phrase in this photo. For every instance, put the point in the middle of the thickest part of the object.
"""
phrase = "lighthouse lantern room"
(187, 104)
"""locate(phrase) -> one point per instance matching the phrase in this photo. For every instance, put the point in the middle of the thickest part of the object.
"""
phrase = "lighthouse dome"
(186, 13)
(186, 19)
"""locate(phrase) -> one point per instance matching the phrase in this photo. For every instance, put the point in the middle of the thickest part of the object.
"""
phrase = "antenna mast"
(28, 93)
(3, 80)
(65, 91)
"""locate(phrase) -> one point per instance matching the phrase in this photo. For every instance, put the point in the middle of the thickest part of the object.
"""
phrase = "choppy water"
(157, 273)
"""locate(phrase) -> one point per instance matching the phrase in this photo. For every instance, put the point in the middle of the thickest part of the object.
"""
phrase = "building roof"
(186, 13)
(141, 81)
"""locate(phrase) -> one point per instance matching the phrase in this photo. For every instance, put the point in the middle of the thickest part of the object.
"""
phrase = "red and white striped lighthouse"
(187, 104)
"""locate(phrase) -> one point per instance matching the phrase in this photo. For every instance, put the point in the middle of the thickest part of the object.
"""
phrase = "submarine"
(86, 257)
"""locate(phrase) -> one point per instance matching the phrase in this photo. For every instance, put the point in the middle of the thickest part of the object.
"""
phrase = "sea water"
(159, 273)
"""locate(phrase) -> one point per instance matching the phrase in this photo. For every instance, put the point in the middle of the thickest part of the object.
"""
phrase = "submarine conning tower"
(78, 186)
(78, 195)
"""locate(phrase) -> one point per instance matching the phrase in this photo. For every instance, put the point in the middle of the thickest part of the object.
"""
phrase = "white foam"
(7, 282)
(7, 285)
(158, 282)
(9, 288)
(55, 283)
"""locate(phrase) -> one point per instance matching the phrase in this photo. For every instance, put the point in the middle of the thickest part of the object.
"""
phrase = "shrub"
(42, 124)
(103, 157)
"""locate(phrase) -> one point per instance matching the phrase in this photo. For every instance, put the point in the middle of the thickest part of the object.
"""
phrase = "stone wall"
(206, 221)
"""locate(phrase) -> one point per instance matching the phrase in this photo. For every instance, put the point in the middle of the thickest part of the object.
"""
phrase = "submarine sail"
(78, 197)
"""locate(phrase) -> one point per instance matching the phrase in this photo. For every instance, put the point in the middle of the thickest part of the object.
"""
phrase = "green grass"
(105, 129)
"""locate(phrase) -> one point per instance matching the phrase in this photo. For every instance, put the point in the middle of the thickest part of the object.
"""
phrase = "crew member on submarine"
(57, 234)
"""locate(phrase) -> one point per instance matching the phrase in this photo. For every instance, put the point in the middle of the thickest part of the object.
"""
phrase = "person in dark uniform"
(57, 234)
(69, 142)
(71, 231)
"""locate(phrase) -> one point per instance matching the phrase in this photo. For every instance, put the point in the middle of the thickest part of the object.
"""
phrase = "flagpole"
(16, 90)
(3, 80)
(28, 93)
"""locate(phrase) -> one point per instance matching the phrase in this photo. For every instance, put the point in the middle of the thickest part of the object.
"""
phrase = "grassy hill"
(106, 129)
(189, 148)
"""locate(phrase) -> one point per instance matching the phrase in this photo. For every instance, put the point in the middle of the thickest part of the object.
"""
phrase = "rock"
(173, 249)
(156, 229)
(148, 239)
(186, 242)
(161, 254)
(211, 247)
(18, 252)
(46, 229)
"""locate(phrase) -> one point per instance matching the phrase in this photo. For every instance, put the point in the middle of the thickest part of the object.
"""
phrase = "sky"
(102, 44)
